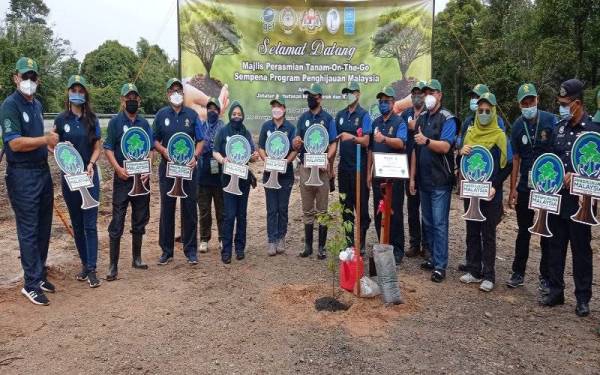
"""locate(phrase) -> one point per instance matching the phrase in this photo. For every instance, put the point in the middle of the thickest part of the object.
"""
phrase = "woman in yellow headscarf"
(481, 236)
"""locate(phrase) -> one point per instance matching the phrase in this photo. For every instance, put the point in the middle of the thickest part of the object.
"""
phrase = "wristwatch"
(427, 142)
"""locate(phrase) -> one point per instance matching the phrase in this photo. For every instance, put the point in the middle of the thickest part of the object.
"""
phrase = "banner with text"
(262, 48)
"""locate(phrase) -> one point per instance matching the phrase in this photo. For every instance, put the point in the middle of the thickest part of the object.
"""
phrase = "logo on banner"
(349, 21)
(135, 144)
(268, 19)
(238, 149)
(287, 20)
(311, 21)
(333, 21)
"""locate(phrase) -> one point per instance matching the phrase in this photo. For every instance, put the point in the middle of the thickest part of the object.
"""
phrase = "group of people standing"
(433, 138)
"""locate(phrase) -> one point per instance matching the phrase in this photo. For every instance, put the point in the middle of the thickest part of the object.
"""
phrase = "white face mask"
(176, 99)
(430, 102)
(277, 113)
(28, 87)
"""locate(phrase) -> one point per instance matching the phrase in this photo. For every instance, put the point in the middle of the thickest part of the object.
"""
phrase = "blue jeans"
(84, 223)
(435, 208)
(277, 209)
(235, 208)
(31, 195)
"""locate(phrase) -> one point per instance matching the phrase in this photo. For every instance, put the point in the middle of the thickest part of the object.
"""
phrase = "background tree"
(209, 30)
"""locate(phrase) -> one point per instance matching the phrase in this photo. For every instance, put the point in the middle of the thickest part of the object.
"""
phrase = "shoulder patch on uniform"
(447, 114)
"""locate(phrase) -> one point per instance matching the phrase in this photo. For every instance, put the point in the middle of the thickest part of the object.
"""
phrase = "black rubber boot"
(308, 240)
(322, 241)
(136, 251)
(115, 249)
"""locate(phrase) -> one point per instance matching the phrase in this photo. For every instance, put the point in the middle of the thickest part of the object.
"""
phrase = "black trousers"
(413, 208)
(481, 241)
(397, 219)
(189, 215)
(579, 236)
(207, 195)
(347, 186)
(525, 218)
(140, 209)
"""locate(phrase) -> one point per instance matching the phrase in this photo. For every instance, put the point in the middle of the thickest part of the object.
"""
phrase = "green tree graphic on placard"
(547, 174)
(69, 161)
(315, 139)
(135, 146)
(476, 166)
(237, 149)
(180, 151)
(277, 145)
(590, 157)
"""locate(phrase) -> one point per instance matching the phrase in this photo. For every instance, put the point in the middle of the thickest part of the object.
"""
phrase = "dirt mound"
(210, 86)
(364, 316)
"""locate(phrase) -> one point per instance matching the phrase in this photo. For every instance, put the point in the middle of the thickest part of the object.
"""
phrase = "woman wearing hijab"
(481, 236)
(79, 126)
(235, 206)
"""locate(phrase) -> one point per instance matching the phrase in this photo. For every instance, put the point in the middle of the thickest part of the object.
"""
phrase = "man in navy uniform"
(28, 179)
(574, 122)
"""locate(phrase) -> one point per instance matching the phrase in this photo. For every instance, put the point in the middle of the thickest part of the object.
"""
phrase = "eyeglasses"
(29, 76)
(484, 111)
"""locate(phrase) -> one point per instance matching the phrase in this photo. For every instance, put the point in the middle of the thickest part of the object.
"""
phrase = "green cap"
(25, 64)
(387, 91)
(278, 99)
(527, 89)
(354, 86)
(214, 101)
(127, 88)
(314, 89)
(418, 85)
(597, 115)
(171, 82)
(480, 89)
(433, 84)
(488, 97)
(77, 79)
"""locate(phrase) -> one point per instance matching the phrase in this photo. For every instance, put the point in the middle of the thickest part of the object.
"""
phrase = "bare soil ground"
(257, 316)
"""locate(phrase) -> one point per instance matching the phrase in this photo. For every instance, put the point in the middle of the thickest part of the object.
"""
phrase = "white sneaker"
(486, 286)
(280, 248)
(272, 249)
(203, 247)
(467, 278)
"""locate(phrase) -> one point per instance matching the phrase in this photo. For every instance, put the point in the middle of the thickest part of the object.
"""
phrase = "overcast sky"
(123, 20)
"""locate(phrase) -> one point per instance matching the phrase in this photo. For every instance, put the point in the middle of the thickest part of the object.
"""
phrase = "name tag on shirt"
(214, 166)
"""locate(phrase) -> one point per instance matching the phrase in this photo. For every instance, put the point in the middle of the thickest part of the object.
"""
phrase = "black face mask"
(131, 106)
(312, 102)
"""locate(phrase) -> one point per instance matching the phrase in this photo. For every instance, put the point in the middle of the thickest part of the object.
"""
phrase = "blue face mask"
(384, 108)
(473, 105)
(77, 98)
(212, 117)
(485, 118)
(564, 112)
(529, 113)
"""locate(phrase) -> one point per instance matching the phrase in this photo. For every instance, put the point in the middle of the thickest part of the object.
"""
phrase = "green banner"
(263, 48)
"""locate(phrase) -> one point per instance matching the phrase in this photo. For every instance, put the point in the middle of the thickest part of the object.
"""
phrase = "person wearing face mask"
(389, 136)
(530, 137)
(209, 178)
(474, 95)
(235, 206)
(348, 122)
(122, 183)
(417, 243)
(433, 167)
(315, 199)
(79, 125)
(278, 199)
(28, 179)
(481, 236)
(169, 120)
(574, 121)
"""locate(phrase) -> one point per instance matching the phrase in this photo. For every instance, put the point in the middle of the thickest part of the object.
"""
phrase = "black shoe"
(114, 250)
(226, 260)
(164, 259)
(82, 275)
(438, 276)
(136, 252)
(515, 281)
(308, 241)
(398, 259)
(427, 265)
(463, 267)
(240, 256)
(413, 252)
(47, 286)
(552, 300)
(582, 309)
(93, 280)
(35, 296)
(544, 286)
(322, 252)
(192, 259)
